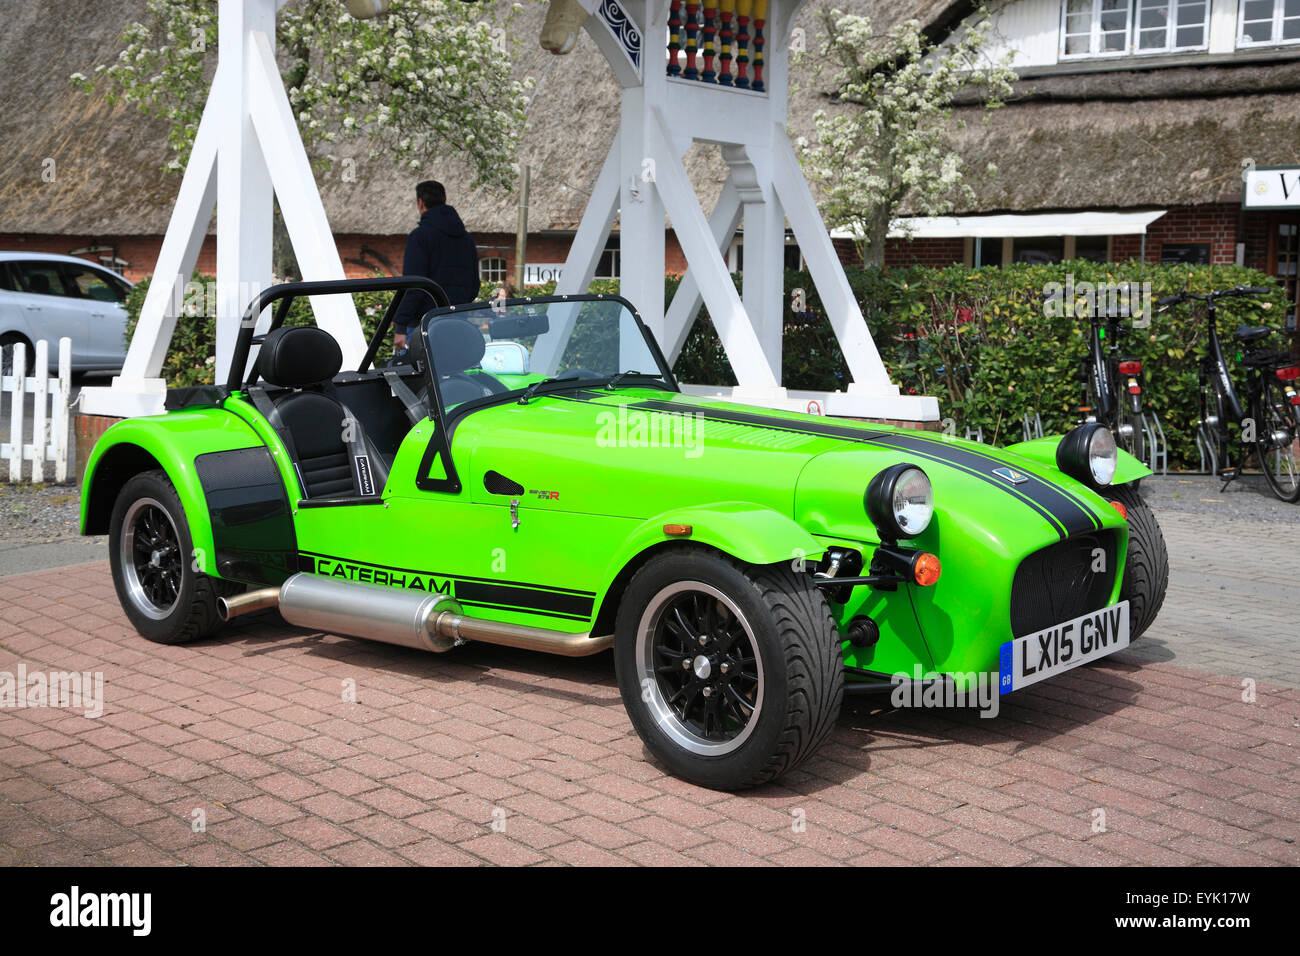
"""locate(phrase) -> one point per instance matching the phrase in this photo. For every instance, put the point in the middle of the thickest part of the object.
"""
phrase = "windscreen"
(527, 341)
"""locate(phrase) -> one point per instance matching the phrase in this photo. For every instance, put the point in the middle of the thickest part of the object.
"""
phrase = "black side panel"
(252, 525)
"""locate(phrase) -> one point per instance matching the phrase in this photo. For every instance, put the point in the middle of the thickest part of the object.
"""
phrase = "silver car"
(47, 296)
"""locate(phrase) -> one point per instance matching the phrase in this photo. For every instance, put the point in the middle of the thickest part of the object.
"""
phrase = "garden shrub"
(980, 340)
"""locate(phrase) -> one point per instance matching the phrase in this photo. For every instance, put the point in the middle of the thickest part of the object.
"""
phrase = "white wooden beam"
(300, 202)
(860, 353)
(138, 390)
(723, 223)
(580, 264)
(244, 193)
(739, 339)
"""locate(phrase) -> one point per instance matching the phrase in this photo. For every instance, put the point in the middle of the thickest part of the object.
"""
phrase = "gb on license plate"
(1061, 647)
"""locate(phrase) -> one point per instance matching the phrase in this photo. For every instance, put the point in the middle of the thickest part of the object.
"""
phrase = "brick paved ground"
(1234, 598)
(252, 730)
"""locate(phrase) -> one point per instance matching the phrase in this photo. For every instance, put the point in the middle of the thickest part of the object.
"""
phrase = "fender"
(172, 441)
(746, 531)
(1043, 451)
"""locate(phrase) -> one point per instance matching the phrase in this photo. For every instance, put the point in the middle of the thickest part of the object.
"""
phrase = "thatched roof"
(1051, 154)
(1165, 152)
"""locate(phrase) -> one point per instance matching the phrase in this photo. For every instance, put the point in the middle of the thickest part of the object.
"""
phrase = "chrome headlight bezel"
(900, 501)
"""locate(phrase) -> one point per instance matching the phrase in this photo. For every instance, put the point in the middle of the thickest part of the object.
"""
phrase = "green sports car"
(529, 474)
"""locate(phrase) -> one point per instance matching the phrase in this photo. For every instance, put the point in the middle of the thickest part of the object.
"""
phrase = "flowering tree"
(888, 138)
(433, 76)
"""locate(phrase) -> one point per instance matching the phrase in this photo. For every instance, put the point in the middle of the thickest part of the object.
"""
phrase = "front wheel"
(150, 551)
(1146, 571)
(731, 674)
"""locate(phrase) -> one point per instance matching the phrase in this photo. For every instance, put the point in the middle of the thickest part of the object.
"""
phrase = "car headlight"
(900, 501)
(1088, 454)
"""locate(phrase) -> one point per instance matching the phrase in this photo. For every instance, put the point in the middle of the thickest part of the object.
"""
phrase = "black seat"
(329, 447)
(458, 346)
(1246, 333)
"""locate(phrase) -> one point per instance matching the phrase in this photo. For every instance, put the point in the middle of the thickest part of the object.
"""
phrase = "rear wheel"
(731, 674)
(1130, 425)
(1275, 441)
(8, 340)
(150, 551)
(1146, 571)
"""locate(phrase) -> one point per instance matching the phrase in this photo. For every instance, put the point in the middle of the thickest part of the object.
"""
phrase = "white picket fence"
(50, 398)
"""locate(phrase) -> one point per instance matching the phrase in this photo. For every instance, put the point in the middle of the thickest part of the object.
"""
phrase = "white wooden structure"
(49, 397)
(666, 108)
(248, 145)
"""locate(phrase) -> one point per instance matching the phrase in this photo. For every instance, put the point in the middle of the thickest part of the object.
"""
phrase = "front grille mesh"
(1059, 582)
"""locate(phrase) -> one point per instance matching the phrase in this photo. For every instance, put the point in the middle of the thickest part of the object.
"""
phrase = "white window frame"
(1094, 34)
(485, 270)
(1275, 36)
(1171, 30)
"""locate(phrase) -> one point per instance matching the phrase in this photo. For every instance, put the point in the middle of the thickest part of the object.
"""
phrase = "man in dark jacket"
(441, 249)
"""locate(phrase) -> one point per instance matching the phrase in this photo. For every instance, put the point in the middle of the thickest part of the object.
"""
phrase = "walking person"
(441, 249)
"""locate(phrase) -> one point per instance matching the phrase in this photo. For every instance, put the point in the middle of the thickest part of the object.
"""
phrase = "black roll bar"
(286, 292)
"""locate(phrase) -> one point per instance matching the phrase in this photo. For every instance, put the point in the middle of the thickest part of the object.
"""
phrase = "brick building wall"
(1222, 226)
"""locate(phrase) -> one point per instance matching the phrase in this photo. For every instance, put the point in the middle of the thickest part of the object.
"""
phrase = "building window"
(492, 269)
(1095, 27)
(1264, 22)
(608, 266)
(1164, 25)
(1114, 27)
(1092, 248)
(1038, 250)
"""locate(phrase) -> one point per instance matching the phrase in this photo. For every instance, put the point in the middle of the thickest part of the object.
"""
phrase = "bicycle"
(1270, 430)
(1112, 387)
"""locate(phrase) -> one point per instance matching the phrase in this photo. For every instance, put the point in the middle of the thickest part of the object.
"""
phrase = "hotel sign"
(1271, 187)
(539, 273)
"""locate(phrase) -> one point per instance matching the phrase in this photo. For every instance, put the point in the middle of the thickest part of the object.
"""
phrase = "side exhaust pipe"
(430, 622)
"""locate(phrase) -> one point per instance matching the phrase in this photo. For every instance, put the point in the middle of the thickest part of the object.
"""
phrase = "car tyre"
(151, 554)
(7, 340)
(1146, 572)
(731, 674)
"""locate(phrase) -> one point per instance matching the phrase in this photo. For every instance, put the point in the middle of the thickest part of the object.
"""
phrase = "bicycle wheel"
(1213, 430)
(1275, 441)
(1130, 425)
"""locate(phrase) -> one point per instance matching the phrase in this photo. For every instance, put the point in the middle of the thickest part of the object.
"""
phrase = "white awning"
(1018, 225)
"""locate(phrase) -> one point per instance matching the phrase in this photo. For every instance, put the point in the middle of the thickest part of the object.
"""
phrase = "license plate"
(1062, 647)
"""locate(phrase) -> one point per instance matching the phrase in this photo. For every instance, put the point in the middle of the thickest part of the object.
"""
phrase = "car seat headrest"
(298, 356)
(456, 344)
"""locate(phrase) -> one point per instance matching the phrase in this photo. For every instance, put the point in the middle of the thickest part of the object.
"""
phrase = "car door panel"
(50, 312)
(100, 297)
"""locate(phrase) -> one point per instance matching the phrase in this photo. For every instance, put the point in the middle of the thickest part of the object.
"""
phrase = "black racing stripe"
(567, 604)
(1065, 514)
(527, 610)
(482, 592)
(1065, 510)
(458, 577)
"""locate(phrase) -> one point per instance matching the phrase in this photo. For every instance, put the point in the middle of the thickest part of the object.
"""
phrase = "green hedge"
(978, 339)
(982, 342)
